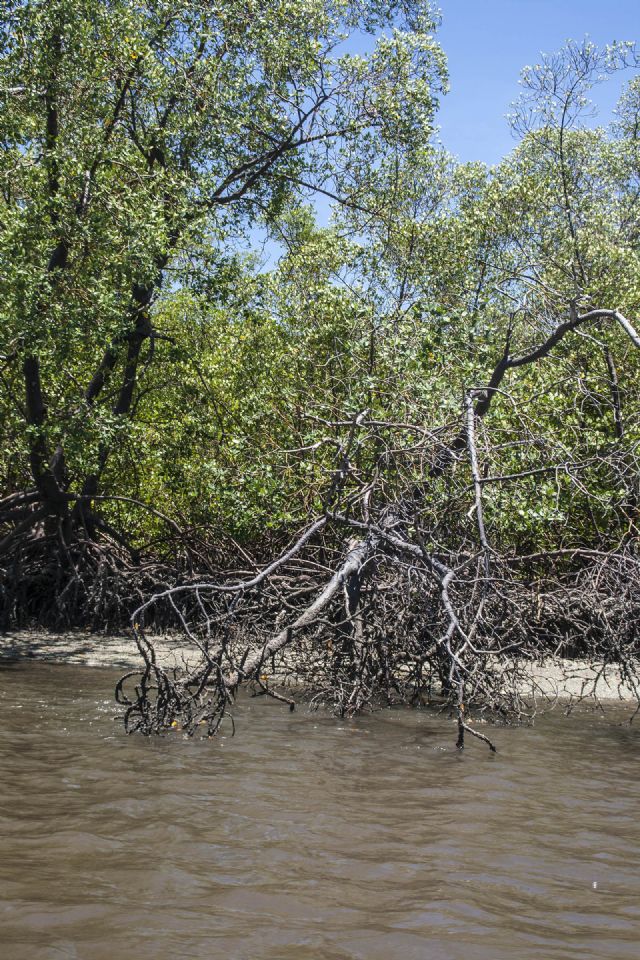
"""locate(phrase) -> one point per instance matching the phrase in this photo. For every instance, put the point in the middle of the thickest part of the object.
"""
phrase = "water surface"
(307, 838)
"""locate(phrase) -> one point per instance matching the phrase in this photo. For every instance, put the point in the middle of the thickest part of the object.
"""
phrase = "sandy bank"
(90, 649)
(554, 678)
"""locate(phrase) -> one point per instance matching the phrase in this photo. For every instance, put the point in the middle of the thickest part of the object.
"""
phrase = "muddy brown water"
(307, 838)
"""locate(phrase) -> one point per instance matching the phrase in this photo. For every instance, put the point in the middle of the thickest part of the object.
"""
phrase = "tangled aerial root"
(393, 624)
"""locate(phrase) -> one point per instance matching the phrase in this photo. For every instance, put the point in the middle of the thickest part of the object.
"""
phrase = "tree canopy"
(140, 142)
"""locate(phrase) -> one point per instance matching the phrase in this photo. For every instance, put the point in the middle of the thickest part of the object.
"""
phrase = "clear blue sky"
(487, 43)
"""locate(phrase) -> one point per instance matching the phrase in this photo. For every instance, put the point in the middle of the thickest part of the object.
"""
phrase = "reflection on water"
(308, 838)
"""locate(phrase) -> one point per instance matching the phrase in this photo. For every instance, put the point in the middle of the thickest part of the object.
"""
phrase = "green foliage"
(145, 144)
(142, 143)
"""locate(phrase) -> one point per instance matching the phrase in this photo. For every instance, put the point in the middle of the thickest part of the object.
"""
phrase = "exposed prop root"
(164, 699)
(394, 624)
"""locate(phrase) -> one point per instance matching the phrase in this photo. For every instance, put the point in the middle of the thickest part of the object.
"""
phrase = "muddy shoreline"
(550, 679)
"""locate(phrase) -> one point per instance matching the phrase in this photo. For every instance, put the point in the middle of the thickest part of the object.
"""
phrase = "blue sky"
(487, 43)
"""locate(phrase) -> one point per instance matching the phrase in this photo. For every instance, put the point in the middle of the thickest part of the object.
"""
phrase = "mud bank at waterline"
(557, 677)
